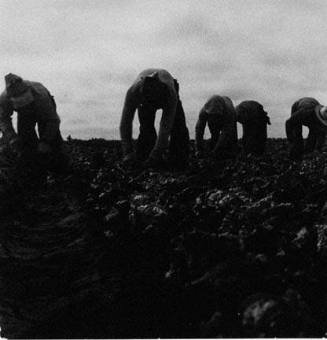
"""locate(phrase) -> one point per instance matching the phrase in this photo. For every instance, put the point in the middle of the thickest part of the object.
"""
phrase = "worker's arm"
(50, 131)
(295, 107)
(51, 120)
(268, 120)
(241, 115)
(126, 123)
(321, 138)
(311, 141)
(199, 131)
(227, 141)
(166, 125)
(47, 118)
(294, 124)
(6, 127)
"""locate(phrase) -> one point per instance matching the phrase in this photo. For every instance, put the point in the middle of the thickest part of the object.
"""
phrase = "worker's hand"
(130, 159)
(14, 143)
(43, 148)
(213, 154)
(154, 161)
(199, 154)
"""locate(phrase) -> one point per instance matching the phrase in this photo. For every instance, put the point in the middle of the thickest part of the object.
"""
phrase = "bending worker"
(254, 120)
(155, 89)
(306, 112)
(34, 106)
(219, 113)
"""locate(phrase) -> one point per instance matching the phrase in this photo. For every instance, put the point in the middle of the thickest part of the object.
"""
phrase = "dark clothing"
(56, 160)
(179, 146)
(179, 137)
(254, 121)
(304, 103)
(155, 89)
(40, 110)
(148, 135)
(26, 123)
(304, 113)
(35, 107)
(219, 113)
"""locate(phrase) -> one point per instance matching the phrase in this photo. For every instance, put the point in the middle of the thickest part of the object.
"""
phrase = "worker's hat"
(321, 113)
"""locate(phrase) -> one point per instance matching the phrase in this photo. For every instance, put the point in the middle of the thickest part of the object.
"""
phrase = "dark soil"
(234, 248)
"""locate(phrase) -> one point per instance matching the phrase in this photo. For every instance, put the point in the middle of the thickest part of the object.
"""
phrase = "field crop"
(234, 248)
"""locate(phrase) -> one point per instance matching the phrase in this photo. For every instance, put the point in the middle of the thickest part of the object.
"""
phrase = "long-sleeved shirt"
(134, 98)
(43, 108)
(221, 111)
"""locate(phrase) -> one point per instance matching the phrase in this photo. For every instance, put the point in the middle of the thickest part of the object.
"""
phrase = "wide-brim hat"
(321, 113)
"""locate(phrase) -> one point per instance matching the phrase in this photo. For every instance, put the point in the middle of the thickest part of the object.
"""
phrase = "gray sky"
(89, 52)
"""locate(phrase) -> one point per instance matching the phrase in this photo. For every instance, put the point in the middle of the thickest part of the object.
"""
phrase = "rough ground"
(228, 249)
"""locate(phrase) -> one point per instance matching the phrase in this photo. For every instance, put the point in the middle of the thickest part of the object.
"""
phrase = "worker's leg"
(321, 137)
(179, 147)
(26, 130)
(147, 137)
(214, 127)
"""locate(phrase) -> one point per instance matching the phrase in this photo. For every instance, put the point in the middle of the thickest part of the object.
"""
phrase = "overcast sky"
(87, 53)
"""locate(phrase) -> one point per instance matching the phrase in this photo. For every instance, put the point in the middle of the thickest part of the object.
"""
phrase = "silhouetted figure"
(152, 90)
(254, 120)
(306, 112)
(34, 106)
(219, 113)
